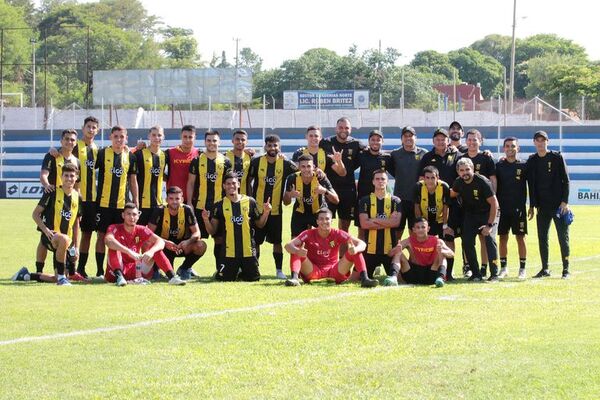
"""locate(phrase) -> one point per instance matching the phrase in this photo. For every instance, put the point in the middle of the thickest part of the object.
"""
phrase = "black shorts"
(375, 260)
(455, 218)
(514, 220)
(108, 216)
(302, 222)
(203, 232)
(436, 229)
(145, 215)
(271, 231)
(407, 215)
(346, 208)
(88, 217)
(231, 269)
(420, 275)
(47, 243)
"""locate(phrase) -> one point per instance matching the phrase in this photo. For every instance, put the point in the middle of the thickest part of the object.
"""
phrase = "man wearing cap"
(443, 157)
(548, 183)
(406, 160)
(371, 160)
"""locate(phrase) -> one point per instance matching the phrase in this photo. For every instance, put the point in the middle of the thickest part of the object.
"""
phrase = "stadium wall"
(24, 151)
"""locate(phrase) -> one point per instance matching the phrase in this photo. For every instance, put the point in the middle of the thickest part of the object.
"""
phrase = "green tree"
(180, 48)
(430, 61)
(474, 67)
(495, 46)
(16, 51)
(249, 59)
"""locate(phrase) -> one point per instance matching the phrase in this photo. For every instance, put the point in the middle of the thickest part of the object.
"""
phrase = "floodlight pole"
(512, 58)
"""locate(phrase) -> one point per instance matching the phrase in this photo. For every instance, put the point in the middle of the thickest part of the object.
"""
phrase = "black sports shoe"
(566, 274)
(475, 278)
(544, 273)
(493, 278)
(450, 278)
(483, 272)
(368, 283)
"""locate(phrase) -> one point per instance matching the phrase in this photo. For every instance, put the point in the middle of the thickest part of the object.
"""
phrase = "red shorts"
(128, 273)
(325, 271)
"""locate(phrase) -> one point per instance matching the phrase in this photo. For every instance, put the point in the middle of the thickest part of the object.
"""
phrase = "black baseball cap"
(540, 133)
(375, 132)
(408, 129)
(455, 123)
(441, 131)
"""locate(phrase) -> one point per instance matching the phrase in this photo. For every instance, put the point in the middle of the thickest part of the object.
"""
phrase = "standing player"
(321, 160)
(151, 165)
(86, 152)
(370, 160)
(51, 178)
(426, 262)
(345, 185)
(311, 193)
(116, 169)
(57, 217)
(511, 174)
(406, 160)
(234, 219)
(176, 224)
(180, 158)
(314, 254)
(379, 215)
(484, 165)
(240, 159)
(548, 183)
(268, 173)
(480, 207)
(204, 183)
(132, 251)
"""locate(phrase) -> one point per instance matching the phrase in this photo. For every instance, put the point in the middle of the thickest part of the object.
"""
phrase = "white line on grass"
(202, 315)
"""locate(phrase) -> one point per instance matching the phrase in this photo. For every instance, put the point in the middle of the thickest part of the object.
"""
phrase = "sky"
(282, 30)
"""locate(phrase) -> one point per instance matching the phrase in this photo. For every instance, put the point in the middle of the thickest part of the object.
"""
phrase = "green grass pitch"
(518, 340)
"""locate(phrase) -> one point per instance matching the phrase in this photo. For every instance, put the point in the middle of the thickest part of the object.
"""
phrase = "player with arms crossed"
(132, 251)
(426, 263)
(314, 254)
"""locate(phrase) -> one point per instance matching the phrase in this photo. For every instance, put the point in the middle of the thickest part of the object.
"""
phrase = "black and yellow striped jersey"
(61, 211)
(113, 171)
(209, 179)
(241, 167)
(54, 166)
(432, 204)
(236, 226)
(379, 241)
(269, 180)
(320, 158)
(310, 201)
(174, 227)
(150, 176)
(87, 156)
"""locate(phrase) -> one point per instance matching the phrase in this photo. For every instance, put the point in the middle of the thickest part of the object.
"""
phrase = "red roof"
(464, 91)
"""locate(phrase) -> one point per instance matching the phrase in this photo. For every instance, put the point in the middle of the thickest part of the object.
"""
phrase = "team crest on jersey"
(450, 157)
(349, 153)
(549, 166)
(476, 194)
(382, 163)
(137, 240)
(417, 157)
(477, 167)
(332, 244)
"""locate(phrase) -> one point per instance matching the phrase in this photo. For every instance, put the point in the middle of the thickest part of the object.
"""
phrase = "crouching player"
(57, 216)
(426, 263)
(125, 241)
(314, 254)
(176, 224)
